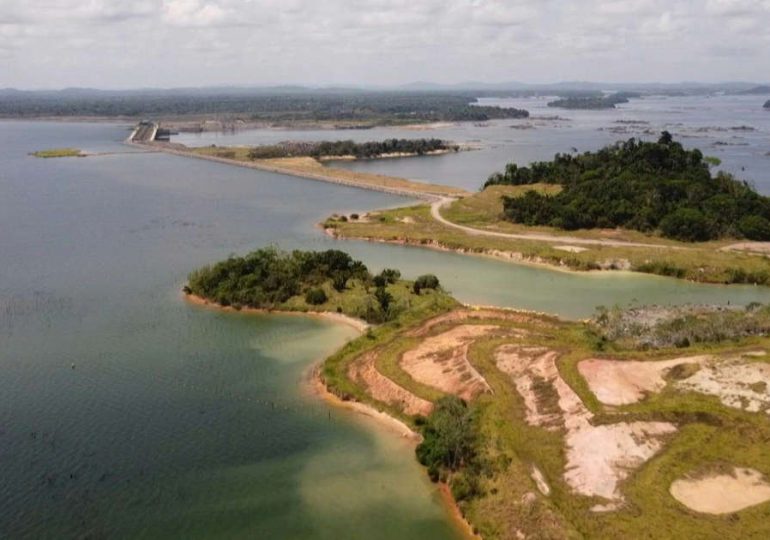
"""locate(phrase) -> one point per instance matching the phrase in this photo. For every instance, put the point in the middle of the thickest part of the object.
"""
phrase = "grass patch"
(58, 153)
(702, 262)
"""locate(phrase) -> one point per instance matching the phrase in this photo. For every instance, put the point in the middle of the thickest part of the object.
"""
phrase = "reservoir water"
(126, 413)
(735, 129)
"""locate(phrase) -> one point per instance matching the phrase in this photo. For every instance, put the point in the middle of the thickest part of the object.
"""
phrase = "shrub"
(316, 296)
(754, 228)
(427, 281)
(686, 224)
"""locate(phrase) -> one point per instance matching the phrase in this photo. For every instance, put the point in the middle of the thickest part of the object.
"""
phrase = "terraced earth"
(581, 440)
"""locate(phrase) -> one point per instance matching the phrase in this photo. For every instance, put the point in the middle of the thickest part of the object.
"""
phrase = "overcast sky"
(162, 43)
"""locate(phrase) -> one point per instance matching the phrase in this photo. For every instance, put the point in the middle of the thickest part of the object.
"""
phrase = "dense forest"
(646, 186)
(289, 106)
(365, 150)
(592, 102)
(304, 280)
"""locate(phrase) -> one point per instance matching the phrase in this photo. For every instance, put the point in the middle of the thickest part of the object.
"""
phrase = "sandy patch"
(385, 390)
(571, 249)
(737, 383)
(358, 324)
(753, 247)
(441, 361)
(598, 457)
(617, 382)
(542, 485)
(724, 493)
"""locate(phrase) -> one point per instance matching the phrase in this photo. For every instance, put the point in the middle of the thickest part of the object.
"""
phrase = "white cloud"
(123, 43)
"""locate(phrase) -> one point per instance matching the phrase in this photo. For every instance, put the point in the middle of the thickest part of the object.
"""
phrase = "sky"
(172, 43)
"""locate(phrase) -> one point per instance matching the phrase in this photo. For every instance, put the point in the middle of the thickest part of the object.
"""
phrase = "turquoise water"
(126, 413)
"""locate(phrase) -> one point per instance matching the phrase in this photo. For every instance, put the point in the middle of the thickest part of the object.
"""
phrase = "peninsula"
(632, 424)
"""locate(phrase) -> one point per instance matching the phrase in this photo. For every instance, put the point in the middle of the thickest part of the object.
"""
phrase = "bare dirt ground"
(736, 382)
(723, 493)
(477, 314)
(754, 247)
(383, 389)
(618, 382)
(598, 457)
(441, 361)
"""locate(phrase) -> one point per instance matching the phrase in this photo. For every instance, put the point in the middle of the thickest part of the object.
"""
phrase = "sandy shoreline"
(317, 387)
(358, 324)
(394, 426)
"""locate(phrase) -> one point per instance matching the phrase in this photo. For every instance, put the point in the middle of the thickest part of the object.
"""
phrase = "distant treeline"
(373, 107)
(593, 102)
(646, 186)
(371, 149)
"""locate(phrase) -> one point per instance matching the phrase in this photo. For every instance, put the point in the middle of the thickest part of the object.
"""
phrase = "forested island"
(767, 104)
(281, 107)
(592, 102)
(644, 186)
(321, 281)
(349, 148)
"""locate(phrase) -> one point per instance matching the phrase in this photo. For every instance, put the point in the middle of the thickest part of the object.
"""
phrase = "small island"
(58, 153)
(592, 102)
(620, 426)
(346, 149)
(767, 104)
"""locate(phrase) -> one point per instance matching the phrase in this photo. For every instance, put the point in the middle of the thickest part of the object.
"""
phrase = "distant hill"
(761, 90)
(767, 104)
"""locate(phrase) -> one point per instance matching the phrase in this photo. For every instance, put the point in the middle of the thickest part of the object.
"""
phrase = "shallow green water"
(126, 413)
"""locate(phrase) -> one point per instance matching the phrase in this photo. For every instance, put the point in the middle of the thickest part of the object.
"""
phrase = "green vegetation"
(427, 281)
(656, 327)
(591, 102)
(450, 444)
(58, 153)
(286, 106)
(305, 281)
(365, 150)
(644, 186)
(708, 262)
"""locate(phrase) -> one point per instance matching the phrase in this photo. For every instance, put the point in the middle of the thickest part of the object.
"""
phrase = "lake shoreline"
(317, 387)
(358, 324)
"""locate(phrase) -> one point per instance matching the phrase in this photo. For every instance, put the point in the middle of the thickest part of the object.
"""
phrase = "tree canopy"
(364, 150)
(645, 186)
(268, 277)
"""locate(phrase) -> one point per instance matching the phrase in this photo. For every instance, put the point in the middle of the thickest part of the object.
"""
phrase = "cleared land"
(559, 462)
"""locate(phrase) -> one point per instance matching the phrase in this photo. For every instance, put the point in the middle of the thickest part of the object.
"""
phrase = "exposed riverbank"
(311, 169)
